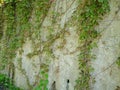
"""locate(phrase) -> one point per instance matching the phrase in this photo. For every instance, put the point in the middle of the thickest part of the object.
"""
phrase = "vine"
(118, 62)
(17, 15)
(7, 38)
(5, 83)
(88, 14)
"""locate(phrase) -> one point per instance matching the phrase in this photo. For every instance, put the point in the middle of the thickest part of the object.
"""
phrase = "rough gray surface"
(106, 71)
(26, 69)
(65, 66)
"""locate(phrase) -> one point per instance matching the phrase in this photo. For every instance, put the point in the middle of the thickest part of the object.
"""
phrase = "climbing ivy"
(118, 61)
(87, 15)
(8, 46)
(19, 27)
(6, 83)
(16, 23)
(43, 78)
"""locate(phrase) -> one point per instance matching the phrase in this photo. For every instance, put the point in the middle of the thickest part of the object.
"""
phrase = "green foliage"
(19, 27)
(8, 18)
(41, 9)
(6, 83)
(40, 12)
(118, 61)
(43, 78)
(90, 11)
(1, 23)
(16, 20)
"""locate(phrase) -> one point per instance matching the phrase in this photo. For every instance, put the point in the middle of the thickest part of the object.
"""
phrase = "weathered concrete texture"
(63, 68)
(26, 68)
(106, 71)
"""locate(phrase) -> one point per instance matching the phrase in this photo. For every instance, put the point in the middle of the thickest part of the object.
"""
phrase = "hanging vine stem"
(43, 67)
(89, 13)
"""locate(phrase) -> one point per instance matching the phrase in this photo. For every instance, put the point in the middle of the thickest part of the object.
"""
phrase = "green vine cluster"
(88, 14)
(17, 15)
(15, 23)
(7, 38)
(6, 83)
(118, 62)
(43, 78)
(18, 28)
